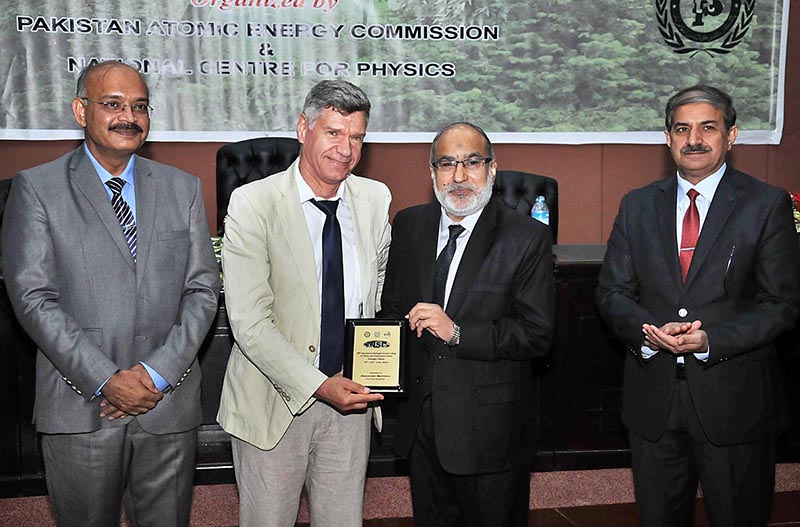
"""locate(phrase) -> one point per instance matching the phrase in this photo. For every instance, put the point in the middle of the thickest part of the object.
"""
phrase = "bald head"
(100, 69)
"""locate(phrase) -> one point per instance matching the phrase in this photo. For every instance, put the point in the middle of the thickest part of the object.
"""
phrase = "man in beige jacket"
(292, 424)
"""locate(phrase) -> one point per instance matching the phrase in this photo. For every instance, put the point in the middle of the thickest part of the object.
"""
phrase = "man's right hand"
(131, 391)
(345, 395)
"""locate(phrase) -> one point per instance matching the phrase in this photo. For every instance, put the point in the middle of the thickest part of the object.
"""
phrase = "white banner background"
(571, 72)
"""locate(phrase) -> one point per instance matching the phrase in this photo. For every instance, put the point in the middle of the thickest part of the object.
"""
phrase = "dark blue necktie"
(123, 212)
(442, 267)
(332, 328)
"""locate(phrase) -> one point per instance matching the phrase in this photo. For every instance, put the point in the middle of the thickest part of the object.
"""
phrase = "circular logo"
(712, 26)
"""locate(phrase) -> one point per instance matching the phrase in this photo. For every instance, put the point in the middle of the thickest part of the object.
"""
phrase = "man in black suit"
(481, 312)
(700, 277)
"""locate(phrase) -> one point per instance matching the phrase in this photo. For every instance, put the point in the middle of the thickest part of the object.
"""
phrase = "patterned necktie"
(332, 326)
(689, 234)
(443, 265)
(123, 212)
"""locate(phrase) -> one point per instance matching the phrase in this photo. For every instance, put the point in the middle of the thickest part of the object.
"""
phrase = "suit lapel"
(665, 209)
(361, 215)
(146, 188)
(428, 240)
(720, 210)
(479, 243)
(293, 223)
(88, 183)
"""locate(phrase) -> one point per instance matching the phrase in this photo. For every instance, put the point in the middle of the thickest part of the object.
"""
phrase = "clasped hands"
(677, 338)
(129, 392)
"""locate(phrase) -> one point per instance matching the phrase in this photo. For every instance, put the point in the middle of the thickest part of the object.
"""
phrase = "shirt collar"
(468, 222)
(706, 188)
(306, 194)
(105, 175)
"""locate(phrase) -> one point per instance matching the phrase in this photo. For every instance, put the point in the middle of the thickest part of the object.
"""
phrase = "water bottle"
(540, 212)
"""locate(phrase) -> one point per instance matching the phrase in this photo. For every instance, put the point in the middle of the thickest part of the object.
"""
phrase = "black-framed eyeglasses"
(471, 164)
(115, 107)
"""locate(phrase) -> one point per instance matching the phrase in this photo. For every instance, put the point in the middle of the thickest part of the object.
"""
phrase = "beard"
(462, 207)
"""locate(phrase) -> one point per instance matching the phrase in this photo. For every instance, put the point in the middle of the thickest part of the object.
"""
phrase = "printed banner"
(528, 71)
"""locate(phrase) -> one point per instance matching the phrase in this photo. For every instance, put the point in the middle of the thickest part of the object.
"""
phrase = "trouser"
(88, 474)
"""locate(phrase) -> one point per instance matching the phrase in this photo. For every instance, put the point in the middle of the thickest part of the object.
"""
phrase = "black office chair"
(250, 160)
(520, 189)
(5, 188)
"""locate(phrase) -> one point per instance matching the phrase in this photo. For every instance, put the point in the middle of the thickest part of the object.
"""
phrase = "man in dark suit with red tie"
(700, 278)
(475, 280)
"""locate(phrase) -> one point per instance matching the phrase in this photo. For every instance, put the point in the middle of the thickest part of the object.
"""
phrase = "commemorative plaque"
(374, 353)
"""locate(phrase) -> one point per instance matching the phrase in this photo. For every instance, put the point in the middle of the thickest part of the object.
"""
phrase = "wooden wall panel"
(592, 178)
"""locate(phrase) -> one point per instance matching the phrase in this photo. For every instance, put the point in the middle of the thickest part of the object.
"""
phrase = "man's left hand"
(430, 317)
(110, 411)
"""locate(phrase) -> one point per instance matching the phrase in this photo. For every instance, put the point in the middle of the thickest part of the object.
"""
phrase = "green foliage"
(559, 65)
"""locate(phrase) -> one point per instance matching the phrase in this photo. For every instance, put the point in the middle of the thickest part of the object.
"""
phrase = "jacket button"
(682, 312)
(312, 348)
(418, 380)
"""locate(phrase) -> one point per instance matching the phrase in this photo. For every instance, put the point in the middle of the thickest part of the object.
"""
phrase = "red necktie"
(691, 229)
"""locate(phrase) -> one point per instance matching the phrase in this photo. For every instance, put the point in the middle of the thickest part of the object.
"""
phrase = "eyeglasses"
(115, 107)
(473, 164)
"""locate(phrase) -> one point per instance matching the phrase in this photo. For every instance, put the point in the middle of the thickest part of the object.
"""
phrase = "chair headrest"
(519, 191)
(250, 160)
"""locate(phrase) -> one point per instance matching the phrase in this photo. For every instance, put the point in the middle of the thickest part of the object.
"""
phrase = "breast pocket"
(173, 235)
(173, 249)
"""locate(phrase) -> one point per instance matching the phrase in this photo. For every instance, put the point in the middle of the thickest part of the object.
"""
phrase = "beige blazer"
(273, 302)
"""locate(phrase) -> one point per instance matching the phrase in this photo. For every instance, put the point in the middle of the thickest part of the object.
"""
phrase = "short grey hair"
(340, 96)
(98, 67)
(489, 149)
(701, 93)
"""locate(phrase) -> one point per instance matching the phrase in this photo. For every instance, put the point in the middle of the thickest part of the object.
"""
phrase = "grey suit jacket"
(90, 310)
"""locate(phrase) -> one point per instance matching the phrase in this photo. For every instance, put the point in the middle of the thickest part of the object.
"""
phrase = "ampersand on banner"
(266, 50)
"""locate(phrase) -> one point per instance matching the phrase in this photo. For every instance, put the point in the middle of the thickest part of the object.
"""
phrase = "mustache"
(127, 126)
(695, 148)
(454, 187)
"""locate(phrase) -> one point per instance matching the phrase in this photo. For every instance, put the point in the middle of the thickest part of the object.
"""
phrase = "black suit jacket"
(742, 285)
(503, 299)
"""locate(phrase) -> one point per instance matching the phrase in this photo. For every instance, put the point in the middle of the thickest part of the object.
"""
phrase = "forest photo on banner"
(530, 71)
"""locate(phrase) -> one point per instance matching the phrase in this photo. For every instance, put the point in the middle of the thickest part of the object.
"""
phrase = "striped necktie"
(689, 233)
(123, 212)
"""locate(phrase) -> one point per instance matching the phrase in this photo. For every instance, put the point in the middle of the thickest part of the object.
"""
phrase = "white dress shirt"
(706, 190)
(468, 222)
(315, 221)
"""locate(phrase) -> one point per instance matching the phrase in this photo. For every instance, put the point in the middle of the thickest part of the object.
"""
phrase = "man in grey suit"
(110, 271)
(294, 419)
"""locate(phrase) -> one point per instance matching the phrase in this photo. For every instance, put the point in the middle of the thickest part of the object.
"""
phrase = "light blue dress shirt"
(129, 195)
